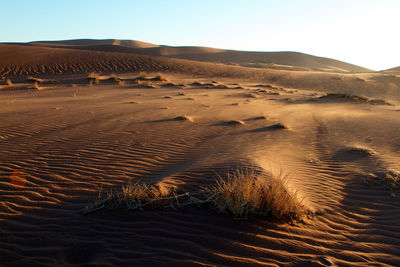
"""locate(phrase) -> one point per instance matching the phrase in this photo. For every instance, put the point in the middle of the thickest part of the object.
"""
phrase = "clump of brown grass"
(33, 79)
(148, 85)
(42, 81)
(132, 197)
(36, 86)
(142, 76)
(393, 180)
(390, 179)
(9, 82)
(246, 193)
(93, 78)
(242, 194)
(160, 77)
(354, 98)
(139, 196)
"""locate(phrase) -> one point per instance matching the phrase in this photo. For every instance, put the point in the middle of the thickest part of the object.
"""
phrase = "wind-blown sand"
(65, 142)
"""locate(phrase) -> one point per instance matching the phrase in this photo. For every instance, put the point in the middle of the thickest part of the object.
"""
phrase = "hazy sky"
(362, 32)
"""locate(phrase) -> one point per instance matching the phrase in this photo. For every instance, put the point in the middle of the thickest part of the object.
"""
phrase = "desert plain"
(81, 119)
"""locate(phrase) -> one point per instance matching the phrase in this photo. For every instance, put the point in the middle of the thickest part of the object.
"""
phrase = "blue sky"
(362, 32)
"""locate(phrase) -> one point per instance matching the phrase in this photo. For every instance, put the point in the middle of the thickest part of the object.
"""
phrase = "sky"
(361, 32)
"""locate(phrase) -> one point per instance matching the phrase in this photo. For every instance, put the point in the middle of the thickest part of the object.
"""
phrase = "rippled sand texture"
(61, 145)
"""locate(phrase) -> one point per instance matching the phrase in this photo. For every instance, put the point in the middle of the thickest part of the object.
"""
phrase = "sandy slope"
(397, 70)
(19, 61)
(279, 60)
(68, 142)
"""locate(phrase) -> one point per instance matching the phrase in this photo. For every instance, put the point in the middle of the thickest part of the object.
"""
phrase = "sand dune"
(278, 60)
(19, 61)
(396, 69)
(65, 144)
(89, 42)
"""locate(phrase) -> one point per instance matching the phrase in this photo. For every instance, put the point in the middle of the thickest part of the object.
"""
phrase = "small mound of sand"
(160, 77)
(183, 118)
(234, 122)
(262, 117)
(362, 151)
(352, 98)
(278, 126)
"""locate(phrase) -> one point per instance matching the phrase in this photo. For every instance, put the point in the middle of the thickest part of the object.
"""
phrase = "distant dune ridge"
(19, 58)
(295, 70)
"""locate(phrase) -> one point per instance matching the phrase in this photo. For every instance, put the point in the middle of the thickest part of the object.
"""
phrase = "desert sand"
(75, 123)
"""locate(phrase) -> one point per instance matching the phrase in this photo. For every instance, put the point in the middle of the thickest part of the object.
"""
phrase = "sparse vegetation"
(148, 85)
(93, 78)
(353, 98)
(42, 81)
(36, 86)
(241, 194)
(246, 193)
(114, 79)
(392, 180)
(142, 76)
(160, 77)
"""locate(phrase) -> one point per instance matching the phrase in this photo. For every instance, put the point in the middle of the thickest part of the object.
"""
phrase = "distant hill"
(396, 69)
(274, 60)
(90, 42)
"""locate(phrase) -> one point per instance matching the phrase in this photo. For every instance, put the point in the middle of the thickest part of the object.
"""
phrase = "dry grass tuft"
(36, 86)
(246, 193)
(148, 85)
(242, 194)
(160, 77)
(354, 98)
(392, 180)
(93, 78)
(9, 82)
(93, 75)
(142, 76)
(116, 80)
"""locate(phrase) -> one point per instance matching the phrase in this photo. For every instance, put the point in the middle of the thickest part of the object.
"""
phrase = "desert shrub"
(160, 77)
(246, 193)
(142, 76)
(240, 194)
(36, 86)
